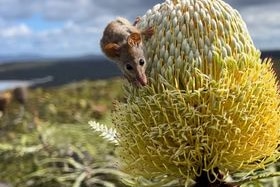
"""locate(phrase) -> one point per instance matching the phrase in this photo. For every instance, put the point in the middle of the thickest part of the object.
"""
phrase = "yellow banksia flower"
(211, 101)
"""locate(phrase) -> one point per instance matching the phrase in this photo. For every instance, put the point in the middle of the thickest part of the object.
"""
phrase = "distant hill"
(20, 58)
(63, 71)
(275, 54)
(40, 58)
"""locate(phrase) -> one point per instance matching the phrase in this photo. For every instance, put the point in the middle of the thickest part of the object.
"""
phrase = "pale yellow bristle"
(211, 101)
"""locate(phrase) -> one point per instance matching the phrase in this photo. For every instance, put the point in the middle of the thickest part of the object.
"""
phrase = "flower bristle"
(211, 101)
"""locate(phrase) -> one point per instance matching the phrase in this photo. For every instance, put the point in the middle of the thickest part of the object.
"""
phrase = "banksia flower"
(211, 101)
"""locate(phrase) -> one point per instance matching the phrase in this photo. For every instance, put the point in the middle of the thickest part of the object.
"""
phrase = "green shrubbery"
(49, 141)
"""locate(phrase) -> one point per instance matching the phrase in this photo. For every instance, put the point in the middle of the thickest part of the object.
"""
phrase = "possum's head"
(131, 59)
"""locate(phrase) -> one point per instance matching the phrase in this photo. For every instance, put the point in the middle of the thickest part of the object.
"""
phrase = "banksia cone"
(211, 101)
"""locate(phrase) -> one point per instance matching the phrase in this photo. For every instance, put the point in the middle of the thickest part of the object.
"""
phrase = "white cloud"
(240, 4)
(84, 21)
(263, 24)
(68, 10)
(15, 31)
(11, 9)
(72, 39)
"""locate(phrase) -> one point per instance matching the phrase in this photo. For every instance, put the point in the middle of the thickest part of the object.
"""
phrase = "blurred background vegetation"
(47, 140)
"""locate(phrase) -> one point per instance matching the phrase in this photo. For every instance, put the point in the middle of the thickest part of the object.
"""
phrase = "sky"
(60, 28)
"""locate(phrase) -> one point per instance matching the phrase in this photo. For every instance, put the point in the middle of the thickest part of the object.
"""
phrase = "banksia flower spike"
(211, 102)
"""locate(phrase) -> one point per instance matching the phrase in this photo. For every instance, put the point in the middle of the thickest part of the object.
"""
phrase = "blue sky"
(74, 27)
(37, 23)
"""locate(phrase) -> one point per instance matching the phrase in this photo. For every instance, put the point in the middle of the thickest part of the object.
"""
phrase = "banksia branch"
(211, 102)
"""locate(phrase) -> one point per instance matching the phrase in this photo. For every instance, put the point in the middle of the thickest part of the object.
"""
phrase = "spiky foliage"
(211, 102)
(105, 132)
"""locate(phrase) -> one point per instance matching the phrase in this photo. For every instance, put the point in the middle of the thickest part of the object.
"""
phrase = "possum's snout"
(142, 80)
(140, 69)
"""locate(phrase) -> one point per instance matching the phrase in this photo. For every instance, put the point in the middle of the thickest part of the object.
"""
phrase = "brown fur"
(122, 42)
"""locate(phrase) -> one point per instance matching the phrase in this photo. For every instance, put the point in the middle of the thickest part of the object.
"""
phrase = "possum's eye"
(128, 67)
(141, 62)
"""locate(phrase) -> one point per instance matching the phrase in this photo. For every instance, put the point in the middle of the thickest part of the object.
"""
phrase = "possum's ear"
(112, 50)
(134, 39)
